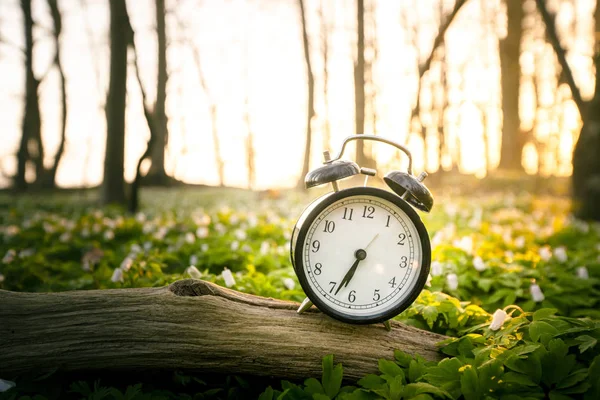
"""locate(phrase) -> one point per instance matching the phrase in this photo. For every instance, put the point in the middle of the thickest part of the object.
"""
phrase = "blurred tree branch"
(311, 96)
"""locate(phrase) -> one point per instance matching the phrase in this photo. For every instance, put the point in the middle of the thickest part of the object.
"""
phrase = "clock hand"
(349, 273)
(360, 255)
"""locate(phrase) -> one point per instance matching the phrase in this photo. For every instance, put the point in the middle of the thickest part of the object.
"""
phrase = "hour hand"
(360, 255)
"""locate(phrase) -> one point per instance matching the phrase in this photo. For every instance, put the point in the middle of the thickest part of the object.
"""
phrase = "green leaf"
(402, 358)
(332, 376)
(594, 379)
(390, 368)
(319, 396)
(521, 379)
(372, 381)
(313, 386)
(267, 394)
(469, 383)
(430, 314)
(554, 395)
(544, 313)
(413, 389)
(539, 328)
(586, 342)
(574, 378)
(416, 370)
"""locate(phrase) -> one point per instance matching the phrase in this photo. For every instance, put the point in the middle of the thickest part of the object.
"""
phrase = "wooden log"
(190, 325)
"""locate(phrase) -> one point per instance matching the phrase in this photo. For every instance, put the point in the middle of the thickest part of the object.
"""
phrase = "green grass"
(491, 251)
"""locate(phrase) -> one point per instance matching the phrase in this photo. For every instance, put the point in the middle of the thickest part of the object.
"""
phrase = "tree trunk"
(31, 125)
(113, 187)
(157, 174)
(359, 84)
(586, 163)
(50, 178)
(510, 70)
(191, 325)
(311, 97)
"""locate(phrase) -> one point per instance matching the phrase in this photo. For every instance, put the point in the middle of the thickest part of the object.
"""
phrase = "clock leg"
(388, 326)
(306, 304)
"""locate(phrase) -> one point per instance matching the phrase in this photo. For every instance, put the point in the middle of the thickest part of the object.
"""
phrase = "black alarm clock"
(362, 254)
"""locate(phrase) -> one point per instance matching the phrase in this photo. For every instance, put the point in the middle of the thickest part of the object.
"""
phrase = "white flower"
(545, 253)
(85, 232)
(6, 385)
(48, 228)
(117, 275)
(65, 237)
(86, 266)
(428, 282)
(126, 264)
(9, 256)
(193, 272)
(438, 238)
(289, 283)
(498, 319)
(204, 247)
(140, 217)
(240, 234)
(202, 232)
(135, 248)
(561, 254)
(228, 277)
(536, 293)
(147, 228)
(583, 273)
(246, 248)
(234, 219)
(234, 245)
(147, 246)
(465, 243)
(109, 235)
(96, 228)
(452, 281)
(11, 230)
(479, 264)
(220, 228)
(190, 238)
(1, 278)
(520, 242)
(161, 233)
(264, 248)
(26, 253)
(507, 236)
(252, 220)
(193, 259)
(437, 268)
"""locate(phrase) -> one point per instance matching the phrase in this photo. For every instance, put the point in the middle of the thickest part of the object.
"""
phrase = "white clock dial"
(393, 256)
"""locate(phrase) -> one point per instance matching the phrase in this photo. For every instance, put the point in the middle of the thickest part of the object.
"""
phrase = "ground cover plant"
(515, 284)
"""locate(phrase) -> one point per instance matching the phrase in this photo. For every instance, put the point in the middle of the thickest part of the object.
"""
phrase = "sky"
(251, 52)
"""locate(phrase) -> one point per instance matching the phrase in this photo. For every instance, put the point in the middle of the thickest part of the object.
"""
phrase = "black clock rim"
(324, 202)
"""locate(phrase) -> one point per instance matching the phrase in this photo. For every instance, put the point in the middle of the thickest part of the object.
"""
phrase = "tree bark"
(311, 97)
(511, 150)
(113, 187)
(190, 325)
(31, 125)
(359, 84)
(157, 174)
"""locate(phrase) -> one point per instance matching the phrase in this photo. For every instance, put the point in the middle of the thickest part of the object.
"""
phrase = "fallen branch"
(190, 325)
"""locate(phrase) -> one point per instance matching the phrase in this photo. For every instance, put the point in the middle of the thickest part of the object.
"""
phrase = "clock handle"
(375, 139)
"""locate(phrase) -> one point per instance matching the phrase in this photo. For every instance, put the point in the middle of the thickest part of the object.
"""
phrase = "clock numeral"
(387, 224)
(348, 214)
(332, 286)
(329, 226)
(402, 237)
(376, 295)
(368, 212)
(351, 296)
(316, 245)
(392, 282)
(318, 267)
(403, 262)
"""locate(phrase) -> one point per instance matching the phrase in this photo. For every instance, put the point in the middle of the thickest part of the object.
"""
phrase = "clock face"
(360, 255)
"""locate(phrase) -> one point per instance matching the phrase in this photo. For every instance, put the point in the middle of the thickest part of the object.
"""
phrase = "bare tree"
(49, 177)
(510, 74)
(31, 146)
(311, 96)
(113, 186)
(157, 174)
(325, 48)
(586, 163)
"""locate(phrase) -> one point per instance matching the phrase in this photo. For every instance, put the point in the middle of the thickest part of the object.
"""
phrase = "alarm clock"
(362, 254)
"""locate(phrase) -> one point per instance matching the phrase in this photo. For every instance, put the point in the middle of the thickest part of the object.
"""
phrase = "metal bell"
(410, 189)
(331, 172)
